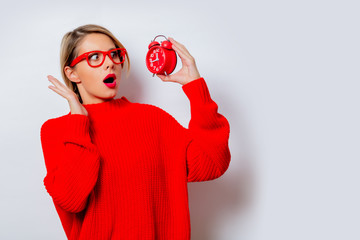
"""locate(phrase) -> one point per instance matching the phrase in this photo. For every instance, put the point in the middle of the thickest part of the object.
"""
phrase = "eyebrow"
(101, 50)
(108, 49)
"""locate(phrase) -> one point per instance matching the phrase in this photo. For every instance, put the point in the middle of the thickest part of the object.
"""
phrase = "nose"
(108, 63)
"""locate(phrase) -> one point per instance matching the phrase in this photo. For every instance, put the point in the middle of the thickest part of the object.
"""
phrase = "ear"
(71, 74)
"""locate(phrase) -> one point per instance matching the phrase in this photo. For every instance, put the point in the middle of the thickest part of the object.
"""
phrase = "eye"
(93, 56)
(116, 54)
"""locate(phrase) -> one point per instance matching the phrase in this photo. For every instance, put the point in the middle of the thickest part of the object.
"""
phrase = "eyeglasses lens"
(96, 58)
(116, 55)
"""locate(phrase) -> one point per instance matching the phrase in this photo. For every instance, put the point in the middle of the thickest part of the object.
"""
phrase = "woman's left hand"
(188, 72)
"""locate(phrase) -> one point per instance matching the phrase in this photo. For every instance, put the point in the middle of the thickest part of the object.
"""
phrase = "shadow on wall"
(232, 194)
(213, 200)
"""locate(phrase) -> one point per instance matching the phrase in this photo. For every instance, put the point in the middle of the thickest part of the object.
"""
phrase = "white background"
(284, 73)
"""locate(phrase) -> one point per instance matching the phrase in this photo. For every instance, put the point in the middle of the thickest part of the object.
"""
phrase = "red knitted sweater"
(122, 172)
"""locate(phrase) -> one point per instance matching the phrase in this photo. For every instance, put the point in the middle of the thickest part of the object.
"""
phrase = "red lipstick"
(110, 80)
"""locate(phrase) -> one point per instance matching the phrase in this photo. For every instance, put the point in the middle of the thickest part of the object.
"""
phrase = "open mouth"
(110, 80)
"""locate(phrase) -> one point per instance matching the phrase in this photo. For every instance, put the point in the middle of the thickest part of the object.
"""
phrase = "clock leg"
(153, 74)
(165, 73)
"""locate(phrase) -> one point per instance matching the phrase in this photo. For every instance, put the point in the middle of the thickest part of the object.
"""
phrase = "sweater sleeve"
(208, 154)
(71, 160)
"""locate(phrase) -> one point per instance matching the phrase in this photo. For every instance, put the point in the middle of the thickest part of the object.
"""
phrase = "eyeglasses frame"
(105, 53)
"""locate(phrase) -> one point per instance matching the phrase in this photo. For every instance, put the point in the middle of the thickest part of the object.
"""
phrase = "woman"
(118, 169)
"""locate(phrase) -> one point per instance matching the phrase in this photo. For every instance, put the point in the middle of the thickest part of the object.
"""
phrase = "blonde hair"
(69, 50)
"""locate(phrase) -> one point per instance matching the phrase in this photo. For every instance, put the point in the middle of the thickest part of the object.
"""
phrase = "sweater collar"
(107, 105)
(95, 109)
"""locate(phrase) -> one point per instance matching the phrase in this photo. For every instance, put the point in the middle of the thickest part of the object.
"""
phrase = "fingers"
(182, 51)
(57, 83)
(56, 90)
(182, 55)
(164, 78)
(54, 81)
(180, 47)
(58, 86)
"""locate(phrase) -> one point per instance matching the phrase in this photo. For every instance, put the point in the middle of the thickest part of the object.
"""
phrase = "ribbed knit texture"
(121, 173)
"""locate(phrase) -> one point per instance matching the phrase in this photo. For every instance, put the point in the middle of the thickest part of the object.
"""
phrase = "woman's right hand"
(75, 106)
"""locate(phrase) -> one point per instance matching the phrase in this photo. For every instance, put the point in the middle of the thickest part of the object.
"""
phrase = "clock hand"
(157, 57)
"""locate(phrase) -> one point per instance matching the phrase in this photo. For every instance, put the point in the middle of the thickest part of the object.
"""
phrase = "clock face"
(156, 59)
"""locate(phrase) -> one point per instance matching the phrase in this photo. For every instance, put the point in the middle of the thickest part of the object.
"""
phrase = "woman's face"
(89, 79)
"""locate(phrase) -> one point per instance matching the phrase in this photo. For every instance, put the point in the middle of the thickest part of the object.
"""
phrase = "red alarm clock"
(161, 58)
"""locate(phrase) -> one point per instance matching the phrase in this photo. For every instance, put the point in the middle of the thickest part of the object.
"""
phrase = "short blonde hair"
(69, 50)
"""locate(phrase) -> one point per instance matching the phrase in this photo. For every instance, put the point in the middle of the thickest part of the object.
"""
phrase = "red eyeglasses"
(97, 58)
